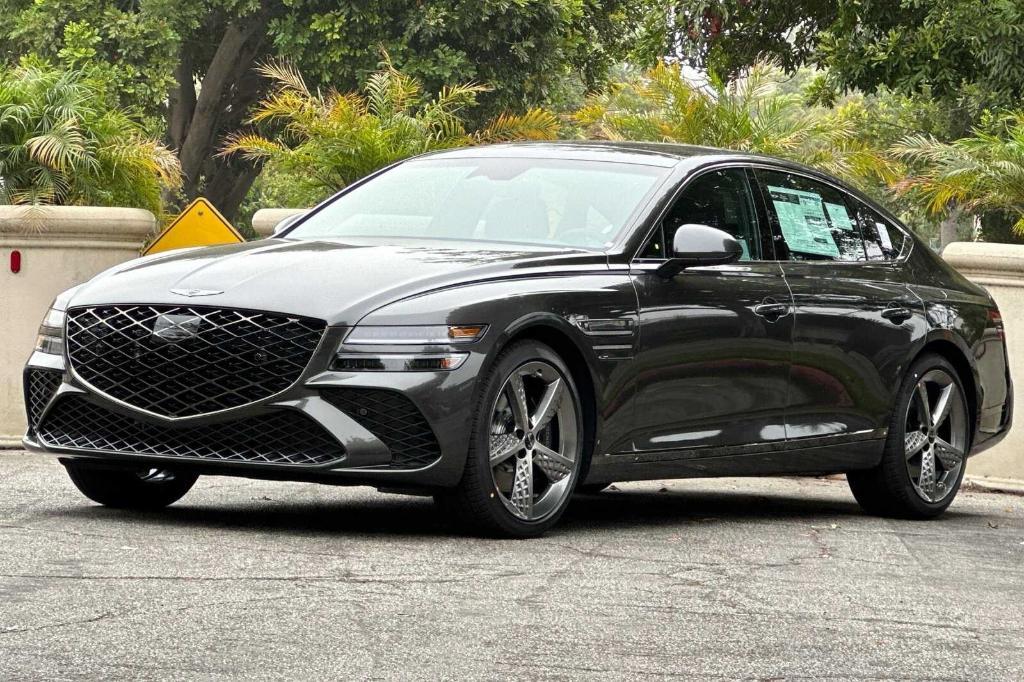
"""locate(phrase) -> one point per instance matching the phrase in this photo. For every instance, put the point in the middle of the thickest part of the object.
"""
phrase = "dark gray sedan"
(502, 326)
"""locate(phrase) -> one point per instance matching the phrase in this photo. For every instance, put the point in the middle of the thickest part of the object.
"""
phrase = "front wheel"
(526, 446)
(925, 454)
(129, 487)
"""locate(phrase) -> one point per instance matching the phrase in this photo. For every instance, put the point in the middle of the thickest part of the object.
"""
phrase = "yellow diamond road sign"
(200, 224)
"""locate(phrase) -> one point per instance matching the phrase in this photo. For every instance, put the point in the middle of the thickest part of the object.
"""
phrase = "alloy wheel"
(936, 435)
(534, 445)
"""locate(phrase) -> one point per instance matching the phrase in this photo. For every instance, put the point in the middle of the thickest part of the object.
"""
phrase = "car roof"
(662, 154)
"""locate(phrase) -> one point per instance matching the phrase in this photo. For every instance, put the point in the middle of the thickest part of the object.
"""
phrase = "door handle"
(897, 314)
(771, 309)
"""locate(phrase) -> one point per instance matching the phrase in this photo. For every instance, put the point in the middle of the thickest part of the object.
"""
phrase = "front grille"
(40, 385)
(282, 437)
(393, 419)
(182, 361)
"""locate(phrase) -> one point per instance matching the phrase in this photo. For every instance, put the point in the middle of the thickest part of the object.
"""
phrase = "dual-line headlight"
(51, 333)
(356, 359)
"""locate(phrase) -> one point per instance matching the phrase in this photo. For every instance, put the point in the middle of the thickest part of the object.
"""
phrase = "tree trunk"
(182, 101)
(226, 91)
(229, 185)
(947, 228)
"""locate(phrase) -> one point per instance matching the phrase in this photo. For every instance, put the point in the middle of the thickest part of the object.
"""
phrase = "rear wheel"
(526, 448)
(129, 487)
(925, 454)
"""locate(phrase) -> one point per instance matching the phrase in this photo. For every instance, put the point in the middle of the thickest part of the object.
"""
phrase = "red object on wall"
(15, 262)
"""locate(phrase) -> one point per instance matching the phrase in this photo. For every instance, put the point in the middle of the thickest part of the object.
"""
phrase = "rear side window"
(815, 220)
(722, 199)
(883, 241)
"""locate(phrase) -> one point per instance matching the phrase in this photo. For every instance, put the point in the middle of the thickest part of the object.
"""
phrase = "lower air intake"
(284, 437)
(393, 419)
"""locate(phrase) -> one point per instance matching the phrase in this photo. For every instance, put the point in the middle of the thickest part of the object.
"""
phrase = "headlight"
(51, 333)
(423, 335)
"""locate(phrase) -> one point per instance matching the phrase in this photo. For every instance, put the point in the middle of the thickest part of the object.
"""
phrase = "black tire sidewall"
(121, 487)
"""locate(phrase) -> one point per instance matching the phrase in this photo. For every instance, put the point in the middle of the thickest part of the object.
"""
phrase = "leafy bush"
(62, 143)
(326, 140)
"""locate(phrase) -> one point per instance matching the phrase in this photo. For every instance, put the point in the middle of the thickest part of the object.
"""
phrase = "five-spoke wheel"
(527, 445)
(936, 435)
(929, 435)
(533, 441)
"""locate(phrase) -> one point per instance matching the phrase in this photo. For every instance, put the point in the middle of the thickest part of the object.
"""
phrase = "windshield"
(537, 201)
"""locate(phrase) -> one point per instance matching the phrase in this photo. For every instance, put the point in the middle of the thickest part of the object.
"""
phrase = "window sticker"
(803, 222)
(883, 236)
(838, 215)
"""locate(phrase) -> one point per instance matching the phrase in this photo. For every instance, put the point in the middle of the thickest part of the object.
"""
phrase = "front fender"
(596, 312)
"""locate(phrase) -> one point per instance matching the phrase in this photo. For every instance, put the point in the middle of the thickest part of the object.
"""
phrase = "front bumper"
(372, 441)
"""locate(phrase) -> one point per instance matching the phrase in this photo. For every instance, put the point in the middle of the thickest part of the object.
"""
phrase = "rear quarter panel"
(962, 313)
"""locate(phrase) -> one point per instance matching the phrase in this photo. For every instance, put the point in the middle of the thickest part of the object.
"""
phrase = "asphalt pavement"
(727, 578)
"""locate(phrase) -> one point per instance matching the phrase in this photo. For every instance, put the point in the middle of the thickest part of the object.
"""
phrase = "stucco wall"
(1000, 269)
(60, 247)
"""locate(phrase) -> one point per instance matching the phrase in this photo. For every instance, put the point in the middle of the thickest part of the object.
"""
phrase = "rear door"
(712, 364)
(855, 318)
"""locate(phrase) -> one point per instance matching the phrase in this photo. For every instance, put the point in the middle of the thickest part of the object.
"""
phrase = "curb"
(988, 484)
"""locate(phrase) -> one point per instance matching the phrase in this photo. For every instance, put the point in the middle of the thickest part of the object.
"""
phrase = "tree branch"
(182, 101)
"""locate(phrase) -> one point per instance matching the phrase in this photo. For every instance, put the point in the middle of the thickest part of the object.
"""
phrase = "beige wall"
(60, 247)
(1000, 269)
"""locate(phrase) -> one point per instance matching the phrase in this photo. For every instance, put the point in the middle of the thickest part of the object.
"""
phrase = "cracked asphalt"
(728, 578)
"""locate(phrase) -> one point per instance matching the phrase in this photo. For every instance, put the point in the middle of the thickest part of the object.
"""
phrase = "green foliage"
(750, 114)
(62, 143)
(129, 47)
(964, 52)
(981, 172)
(327, 140)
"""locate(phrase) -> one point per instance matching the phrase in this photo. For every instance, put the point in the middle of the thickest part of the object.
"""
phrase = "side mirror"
(695, 245)
(285, 224)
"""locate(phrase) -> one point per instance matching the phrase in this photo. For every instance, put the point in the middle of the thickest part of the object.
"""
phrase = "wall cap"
(55, 224)
(266, 219)
(987, 259)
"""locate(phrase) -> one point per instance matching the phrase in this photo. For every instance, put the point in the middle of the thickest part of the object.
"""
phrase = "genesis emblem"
(196, 292)
(175, 328)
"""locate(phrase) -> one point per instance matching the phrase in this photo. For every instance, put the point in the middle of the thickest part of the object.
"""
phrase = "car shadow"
(418, 517)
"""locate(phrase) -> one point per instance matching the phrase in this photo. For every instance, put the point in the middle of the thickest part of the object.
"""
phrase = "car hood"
(334, 281)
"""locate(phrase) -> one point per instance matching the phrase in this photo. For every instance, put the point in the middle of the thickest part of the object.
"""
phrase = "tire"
(523, 490)
(129, 488)
(922, 465)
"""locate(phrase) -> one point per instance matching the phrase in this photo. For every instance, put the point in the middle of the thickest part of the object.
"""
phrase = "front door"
(715, 342)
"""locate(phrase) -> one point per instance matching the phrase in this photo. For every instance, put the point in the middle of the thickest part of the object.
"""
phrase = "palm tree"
(61, 143)
(328, 140)
(750, 114)
(982, 172)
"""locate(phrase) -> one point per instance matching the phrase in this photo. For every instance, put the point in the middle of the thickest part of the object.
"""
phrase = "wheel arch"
(955, 351)
(556, 333)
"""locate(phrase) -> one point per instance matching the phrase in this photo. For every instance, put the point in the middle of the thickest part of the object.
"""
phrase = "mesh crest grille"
(181, 361)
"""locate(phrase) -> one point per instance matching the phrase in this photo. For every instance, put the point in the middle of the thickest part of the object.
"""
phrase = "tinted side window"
(882, 240)
(814, 219)
(720, 199)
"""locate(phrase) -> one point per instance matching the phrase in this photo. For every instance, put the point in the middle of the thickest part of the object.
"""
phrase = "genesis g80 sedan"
(503, 326)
